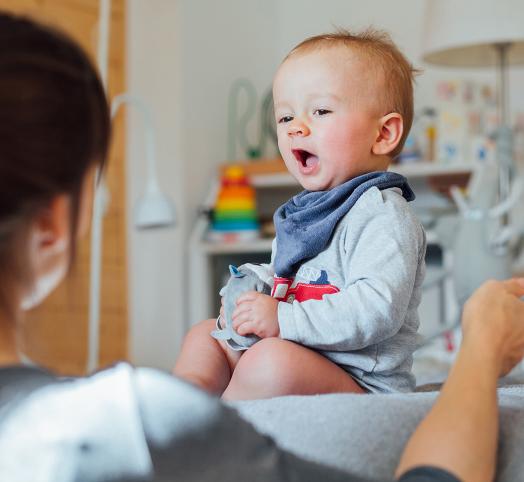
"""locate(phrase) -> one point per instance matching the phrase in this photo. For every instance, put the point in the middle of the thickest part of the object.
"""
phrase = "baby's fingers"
(240, 316)
(246, 328)
(247, 296)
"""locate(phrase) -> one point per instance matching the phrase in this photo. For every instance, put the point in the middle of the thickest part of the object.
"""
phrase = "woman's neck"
(8, 351)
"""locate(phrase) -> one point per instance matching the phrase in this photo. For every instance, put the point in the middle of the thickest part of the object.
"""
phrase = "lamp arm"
(125, 98)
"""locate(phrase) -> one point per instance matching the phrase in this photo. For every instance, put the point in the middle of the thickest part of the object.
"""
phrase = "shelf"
(264, 245)
(279, 179)
(417, 169)
(423, 169)
(256, 246)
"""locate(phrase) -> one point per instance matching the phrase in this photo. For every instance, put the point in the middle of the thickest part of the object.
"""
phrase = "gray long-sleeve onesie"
(375, 259)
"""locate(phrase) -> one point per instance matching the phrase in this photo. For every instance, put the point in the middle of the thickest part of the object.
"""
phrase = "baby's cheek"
(281, 142)
(354, 135)
(284, 149)
(339, 140)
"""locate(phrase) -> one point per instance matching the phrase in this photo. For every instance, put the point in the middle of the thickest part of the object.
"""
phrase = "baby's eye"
(284, 119)
(321, 112)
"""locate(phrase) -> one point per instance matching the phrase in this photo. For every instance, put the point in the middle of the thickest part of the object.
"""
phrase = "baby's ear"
(391, 129)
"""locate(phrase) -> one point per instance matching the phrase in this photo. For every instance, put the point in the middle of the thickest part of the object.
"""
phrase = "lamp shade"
(154, 210)
(462, 33)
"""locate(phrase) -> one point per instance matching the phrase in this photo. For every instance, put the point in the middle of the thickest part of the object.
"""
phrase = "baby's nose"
(298, 129)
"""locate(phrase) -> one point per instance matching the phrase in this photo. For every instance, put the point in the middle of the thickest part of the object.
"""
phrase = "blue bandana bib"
(305, 223)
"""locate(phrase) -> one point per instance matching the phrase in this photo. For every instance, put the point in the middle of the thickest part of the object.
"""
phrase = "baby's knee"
(267, 364)
(200, 330)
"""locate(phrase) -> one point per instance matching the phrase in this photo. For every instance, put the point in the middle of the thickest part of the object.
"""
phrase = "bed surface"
(366, 433)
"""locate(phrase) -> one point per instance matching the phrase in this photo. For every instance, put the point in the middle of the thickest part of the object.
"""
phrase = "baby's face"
(327, 117)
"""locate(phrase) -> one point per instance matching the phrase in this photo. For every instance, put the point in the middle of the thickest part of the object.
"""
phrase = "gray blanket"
(365, 434)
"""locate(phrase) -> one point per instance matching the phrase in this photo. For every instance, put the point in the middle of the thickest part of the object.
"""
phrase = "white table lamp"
(479, 33)
(464, 33)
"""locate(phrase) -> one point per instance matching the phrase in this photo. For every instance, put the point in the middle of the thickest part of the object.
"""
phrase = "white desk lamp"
(153, 210)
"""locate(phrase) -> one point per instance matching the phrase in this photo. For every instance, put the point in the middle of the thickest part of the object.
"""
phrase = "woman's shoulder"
(110, 420)
(18, 381)
(95, 418)
(121, 390)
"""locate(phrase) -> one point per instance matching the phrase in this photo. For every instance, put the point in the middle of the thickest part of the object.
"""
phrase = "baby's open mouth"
(305, 158)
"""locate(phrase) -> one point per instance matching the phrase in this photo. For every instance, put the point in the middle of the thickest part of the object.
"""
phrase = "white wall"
(156, 268)
(183, 56)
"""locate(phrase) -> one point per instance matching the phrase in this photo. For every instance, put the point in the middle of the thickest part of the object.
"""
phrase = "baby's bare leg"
(204, 361)
(274, 367)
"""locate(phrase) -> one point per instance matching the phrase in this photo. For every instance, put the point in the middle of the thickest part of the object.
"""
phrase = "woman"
(126, 423)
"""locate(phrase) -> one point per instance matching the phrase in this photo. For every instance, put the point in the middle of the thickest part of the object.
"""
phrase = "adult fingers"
(514, 286)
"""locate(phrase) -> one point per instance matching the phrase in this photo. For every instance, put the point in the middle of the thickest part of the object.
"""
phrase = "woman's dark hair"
(54, 126)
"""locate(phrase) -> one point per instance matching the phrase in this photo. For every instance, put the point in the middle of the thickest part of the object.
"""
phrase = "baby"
(348, 258)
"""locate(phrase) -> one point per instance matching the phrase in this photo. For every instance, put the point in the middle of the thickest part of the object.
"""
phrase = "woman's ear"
(48, 250)
(391, 129)
(51, 234)
(51, 227)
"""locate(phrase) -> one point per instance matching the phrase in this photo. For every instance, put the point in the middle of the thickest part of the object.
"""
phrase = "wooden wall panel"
(55, 334)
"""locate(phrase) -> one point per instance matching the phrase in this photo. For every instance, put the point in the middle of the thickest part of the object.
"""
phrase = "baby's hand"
(256, 313)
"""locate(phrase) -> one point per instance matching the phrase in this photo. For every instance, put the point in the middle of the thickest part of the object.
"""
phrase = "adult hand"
(256, 313)
(460, 432)
(493, 321)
